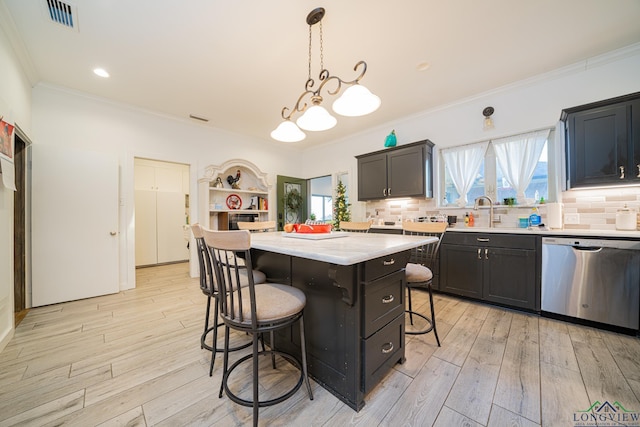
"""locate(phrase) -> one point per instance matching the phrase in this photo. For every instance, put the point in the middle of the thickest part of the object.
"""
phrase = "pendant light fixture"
(355, 101)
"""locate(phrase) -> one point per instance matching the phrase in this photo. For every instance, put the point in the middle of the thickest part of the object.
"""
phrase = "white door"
(146, 241)
(172, 245)
(74, 224)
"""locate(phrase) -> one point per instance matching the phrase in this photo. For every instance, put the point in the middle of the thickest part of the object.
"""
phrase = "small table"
(354, 317)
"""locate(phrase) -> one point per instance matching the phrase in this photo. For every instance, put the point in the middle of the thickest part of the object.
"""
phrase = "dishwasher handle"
(588, 248)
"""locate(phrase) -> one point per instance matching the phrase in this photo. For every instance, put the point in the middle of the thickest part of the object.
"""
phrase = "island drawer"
(381, 351)
(382, 266)
(383, 300)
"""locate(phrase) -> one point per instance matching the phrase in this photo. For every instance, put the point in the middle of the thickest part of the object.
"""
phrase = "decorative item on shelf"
(341, 206)
(234, 182)
(510, 201)
(234, 201)
(488, 121)
(218, 183)
(391, 140)
(355, 101)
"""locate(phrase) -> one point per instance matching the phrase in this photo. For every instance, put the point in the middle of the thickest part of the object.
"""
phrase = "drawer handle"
(482, 239)
(387, 348)
(388, 299)
(390, 262)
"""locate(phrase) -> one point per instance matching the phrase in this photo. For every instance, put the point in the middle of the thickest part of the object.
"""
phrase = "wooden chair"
(257, 226)
(418, 270)
(358, 227)
(254, 309)
(209, 288)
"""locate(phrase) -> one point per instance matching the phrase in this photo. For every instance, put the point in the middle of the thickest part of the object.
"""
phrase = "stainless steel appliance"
(241, 217)
(592, 279)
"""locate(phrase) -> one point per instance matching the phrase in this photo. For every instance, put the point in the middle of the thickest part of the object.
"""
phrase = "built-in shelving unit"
(213, 193)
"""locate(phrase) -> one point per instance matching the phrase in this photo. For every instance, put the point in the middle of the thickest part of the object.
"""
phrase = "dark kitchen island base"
(354, 318)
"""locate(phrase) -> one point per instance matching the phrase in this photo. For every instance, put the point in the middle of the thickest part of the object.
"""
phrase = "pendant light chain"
(309, 77)
(321, 50)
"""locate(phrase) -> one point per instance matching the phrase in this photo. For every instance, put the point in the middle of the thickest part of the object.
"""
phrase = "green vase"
(390, 140)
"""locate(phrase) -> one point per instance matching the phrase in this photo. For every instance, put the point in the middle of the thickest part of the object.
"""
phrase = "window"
(511, 167)
(322, 207)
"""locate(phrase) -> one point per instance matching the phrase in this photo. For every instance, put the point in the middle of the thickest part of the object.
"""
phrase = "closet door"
(146, 240)
(172, 245)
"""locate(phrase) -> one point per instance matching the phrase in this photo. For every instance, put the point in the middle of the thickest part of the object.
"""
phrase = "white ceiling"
(239, 62)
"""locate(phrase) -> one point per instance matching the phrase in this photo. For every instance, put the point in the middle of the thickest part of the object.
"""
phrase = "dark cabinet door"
(603, 142)
(509, 277)
(598, 146)
(372, 177)
(406, 172)
(461, 270)
(403, 171)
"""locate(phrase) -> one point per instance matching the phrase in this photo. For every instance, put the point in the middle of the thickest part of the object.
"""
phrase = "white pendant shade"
(316, 118)
(357, 100)
(287, 131)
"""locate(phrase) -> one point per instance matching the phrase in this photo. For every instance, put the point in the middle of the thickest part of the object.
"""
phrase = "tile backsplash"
(596, 208)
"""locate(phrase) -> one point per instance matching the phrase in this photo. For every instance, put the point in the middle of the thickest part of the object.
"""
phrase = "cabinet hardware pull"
(638, 171)
(388, 299)
(388, 349)
(621, 172)
(389, 191)
(482, 239)
(384, 192)
(390, 262)
(113, 233)
(479, 256)
(486, 253)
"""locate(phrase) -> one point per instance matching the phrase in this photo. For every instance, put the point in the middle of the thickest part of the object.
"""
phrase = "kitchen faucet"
(475, 208)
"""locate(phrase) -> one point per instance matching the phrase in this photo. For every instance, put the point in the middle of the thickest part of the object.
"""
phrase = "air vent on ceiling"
(62, 13)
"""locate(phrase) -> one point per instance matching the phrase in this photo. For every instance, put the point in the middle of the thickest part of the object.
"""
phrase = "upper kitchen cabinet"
(404, 171)
(603, 142)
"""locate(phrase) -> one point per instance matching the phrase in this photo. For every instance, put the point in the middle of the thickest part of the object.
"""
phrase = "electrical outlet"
(572, 218)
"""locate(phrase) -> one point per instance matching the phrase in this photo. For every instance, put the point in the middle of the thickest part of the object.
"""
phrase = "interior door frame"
(21, 222)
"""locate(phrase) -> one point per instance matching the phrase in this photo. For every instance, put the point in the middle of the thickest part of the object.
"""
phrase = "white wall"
(15, 105)
(74, 120)
(520, 107)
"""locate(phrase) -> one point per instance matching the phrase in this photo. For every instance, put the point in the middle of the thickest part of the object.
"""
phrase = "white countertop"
(537, 231)
(352, 249)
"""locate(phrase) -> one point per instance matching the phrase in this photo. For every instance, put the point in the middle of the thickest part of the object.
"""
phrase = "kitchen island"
(354, 317)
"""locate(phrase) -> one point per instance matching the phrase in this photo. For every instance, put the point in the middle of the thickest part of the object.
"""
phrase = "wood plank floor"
(134, 359)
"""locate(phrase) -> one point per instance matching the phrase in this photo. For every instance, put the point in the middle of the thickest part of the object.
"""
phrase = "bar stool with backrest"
(257, 226)
(209, 288)
(419, 272)
(358, 227)
(254, 309)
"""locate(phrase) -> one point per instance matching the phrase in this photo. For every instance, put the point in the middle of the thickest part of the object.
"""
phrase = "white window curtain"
(517, 156)
(462, 163)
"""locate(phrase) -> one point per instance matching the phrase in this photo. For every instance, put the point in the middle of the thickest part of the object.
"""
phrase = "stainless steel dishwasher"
(592, 279)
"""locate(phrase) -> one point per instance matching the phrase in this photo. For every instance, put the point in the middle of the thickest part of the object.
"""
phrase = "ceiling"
(238, 63)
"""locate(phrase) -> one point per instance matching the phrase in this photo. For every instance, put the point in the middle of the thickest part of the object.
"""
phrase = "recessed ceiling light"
(101, 72)
(423, 66)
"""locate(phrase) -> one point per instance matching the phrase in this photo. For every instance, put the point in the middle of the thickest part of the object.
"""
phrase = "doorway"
(20, 228)
(161, 212)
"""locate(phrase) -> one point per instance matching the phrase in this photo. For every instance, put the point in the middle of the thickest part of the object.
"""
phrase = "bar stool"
(208, 287)
(359, 227)
(257, 226)
(254, 309)
(418, 270)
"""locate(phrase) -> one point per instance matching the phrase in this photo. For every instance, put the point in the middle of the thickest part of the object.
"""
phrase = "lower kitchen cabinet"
(499, 268)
